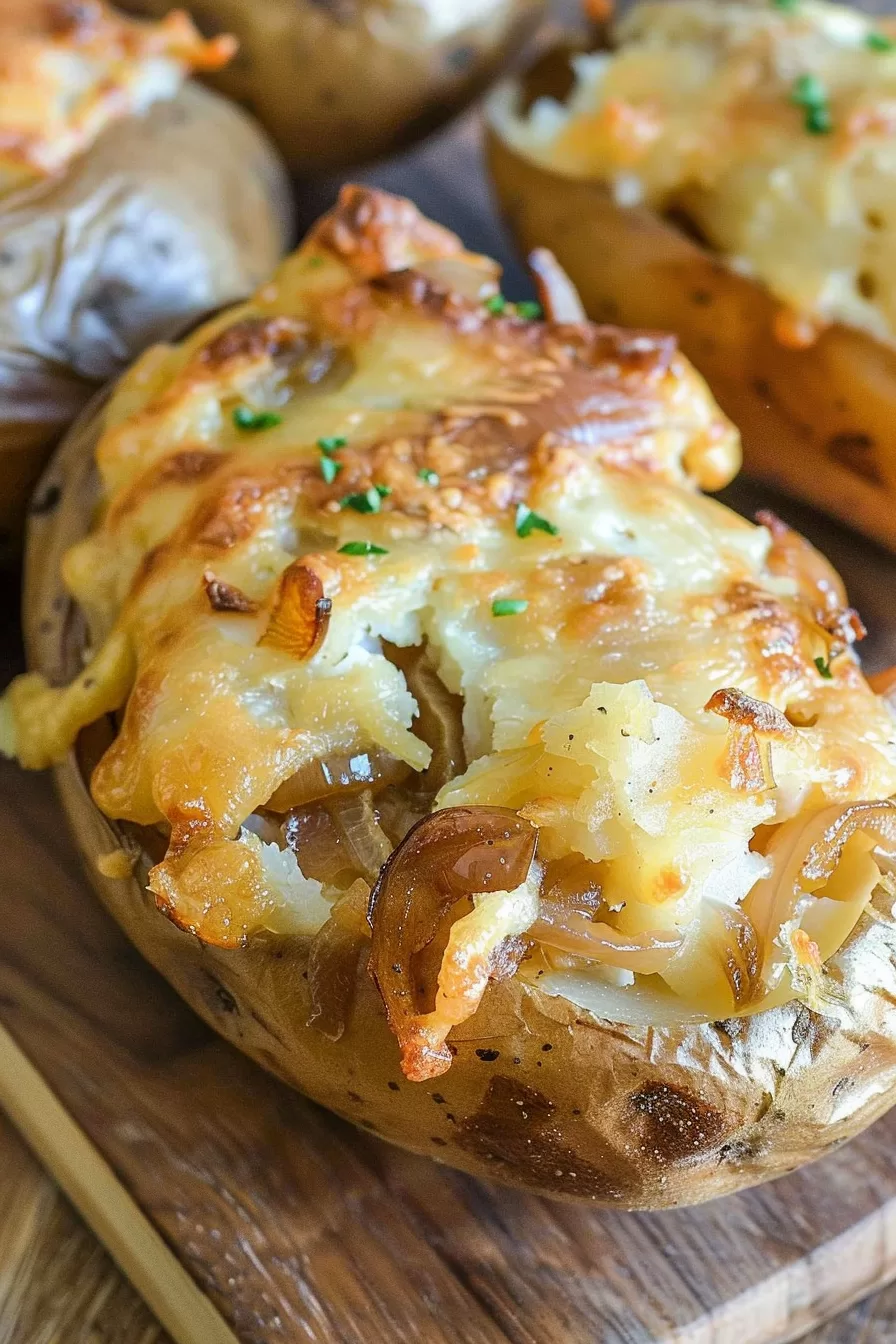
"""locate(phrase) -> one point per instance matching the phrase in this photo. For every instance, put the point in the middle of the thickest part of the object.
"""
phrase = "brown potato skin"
(540, 1094)
(817, 423)
(335, 85)
(166, 217)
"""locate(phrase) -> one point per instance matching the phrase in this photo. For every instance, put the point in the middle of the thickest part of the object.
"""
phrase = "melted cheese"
(68, 69)
(241, 642)
(696, 112)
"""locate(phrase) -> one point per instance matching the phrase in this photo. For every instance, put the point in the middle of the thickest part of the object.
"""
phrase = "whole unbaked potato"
(343, 81)
(768, 271)
(148, 221)
(449, 751)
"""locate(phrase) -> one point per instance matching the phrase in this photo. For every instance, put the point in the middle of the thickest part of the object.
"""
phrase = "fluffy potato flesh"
(376, 75)
(377, 552)
(763, 245)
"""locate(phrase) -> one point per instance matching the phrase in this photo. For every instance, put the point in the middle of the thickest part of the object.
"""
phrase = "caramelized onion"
(333, 962)
(793, 557)
(557, 294)
(574, 933)
(366, 843)
(439, 720)
(804, 856)
(341, 773)
(456, 853)
(300, 615)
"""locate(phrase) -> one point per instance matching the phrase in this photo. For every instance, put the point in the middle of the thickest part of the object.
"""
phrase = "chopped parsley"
(329, 469)
(818, 120)
(528, 521)
(787, 5)
(824, 668)
(332, 445)
(809, 93)
(313, 263)
(530, 309)
(427, 475)
(366, 501)
(496, 304)
(384, 491)
(362, 548)
(879, 42)
(245, 418)
(509, 606)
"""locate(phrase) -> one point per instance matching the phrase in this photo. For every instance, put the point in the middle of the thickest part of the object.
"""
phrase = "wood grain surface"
(300, 1228)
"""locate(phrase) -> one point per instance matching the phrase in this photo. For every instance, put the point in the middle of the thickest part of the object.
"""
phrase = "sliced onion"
(455, 853)
(341, 773)
(569, 931)
(300, 616)
(439, 720)
(333, 962)
(557, 294)
(804, 855)
(366, 842)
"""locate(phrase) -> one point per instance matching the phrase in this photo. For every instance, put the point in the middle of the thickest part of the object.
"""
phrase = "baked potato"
(339, 83)
(130, 202)
(449, 751)
(728, 172)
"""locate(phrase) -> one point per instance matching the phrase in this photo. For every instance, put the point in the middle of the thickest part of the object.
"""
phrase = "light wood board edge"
(90, 1183)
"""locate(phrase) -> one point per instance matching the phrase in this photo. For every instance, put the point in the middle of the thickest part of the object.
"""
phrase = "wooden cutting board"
(244, 1213)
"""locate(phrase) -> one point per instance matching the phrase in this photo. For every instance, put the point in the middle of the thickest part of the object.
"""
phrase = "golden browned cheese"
(378, 452)
(68, 68)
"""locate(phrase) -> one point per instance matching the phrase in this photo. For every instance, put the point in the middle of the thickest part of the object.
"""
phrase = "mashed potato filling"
(769, 128)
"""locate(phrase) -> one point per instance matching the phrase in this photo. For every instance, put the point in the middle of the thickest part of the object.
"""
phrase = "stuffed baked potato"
(449, 751)
(130, 201)
(338, 83)
(728, 171)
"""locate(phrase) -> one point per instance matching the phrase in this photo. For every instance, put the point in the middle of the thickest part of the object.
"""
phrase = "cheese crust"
(377, 454)
(767, 129)
(69, 68)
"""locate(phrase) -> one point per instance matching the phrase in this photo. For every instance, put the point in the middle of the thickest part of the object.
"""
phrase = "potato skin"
(540, 1094)
(818, 423)
(375, 75)
(166, 217)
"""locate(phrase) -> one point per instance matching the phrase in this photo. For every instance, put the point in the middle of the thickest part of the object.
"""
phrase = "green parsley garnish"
(824, 668)
(362, 548)
(809, 92)
(509, 606)
(329, 469)
(314, 262)
(496, 304)
(332, 445)
(879, 42)
(818, 120)
(788, 5)
(528, 308)
(367, 501)
(528, 521)
(428, 475)
(245, 418)
(384, 491)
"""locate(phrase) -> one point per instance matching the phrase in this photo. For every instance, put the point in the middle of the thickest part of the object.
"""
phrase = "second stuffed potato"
(728, 172)
(131, 202)
(336, 84)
